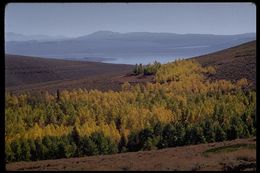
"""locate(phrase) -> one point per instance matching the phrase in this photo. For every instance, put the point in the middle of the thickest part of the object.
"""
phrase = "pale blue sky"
(77, 19)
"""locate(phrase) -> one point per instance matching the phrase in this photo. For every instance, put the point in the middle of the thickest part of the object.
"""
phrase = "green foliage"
(70, 150)
(138, 69)
(122, 144)
(150, 69)
(41, 150)
(32, 150)
(150, 144)
(208, 130)
(17, 151)
(104, 144)
(220, 134)
(88, 147)
(25, 153)
(194, 135)
(133, 142)
(9, 154)
(235, 129)
(75, 136)
(146, 139)
(169, 136)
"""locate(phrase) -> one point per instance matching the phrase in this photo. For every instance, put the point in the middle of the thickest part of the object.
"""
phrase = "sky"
(77, 19)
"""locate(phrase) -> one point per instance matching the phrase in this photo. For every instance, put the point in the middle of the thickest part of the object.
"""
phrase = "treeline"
(179, 109)
(55, 147)
(160, 136)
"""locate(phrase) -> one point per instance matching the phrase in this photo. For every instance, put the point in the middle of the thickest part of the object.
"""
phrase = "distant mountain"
(127, 46)
(11, 36)
(99, 35)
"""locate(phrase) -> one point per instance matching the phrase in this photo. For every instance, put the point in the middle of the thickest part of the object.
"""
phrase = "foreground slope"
(232, 156)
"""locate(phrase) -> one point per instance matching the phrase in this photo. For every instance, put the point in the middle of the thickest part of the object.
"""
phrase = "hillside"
(186, 158)
(30, 73)
(233, 63)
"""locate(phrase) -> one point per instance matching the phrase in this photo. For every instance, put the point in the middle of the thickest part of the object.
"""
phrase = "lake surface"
(142, 59)
(125, 58)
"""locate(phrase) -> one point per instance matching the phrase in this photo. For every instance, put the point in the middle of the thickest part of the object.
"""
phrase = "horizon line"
(42, 34)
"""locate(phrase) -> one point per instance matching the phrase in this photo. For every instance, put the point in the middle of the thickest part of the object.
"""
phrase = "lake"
(126, 58)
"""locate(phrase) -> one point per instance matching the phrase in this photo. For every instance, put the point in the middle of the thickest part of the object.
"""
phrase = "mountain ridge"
(12, 36)
(126, 47)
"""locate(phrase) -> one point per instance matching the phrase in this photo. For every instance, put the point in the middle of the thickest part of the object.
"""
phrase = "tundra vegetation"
(182, 107)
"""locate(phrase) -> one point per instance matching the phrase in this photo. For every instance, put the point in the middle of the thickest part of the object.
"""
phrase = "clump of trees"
(181, 70)
(138, 69)
(181, 108)
(149, 69)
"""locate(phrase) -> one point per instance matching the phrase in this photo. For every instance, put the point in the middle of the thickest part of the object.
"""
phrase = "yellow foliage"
(180, 92)
(242, 83)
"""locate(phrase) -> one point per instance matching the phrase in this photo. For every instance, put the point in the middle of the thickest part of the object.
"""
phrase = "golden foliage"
(181, 92)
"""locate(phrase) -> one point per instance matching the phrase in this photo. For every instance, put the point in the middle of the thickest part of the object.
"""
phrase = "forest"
(182, 107)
